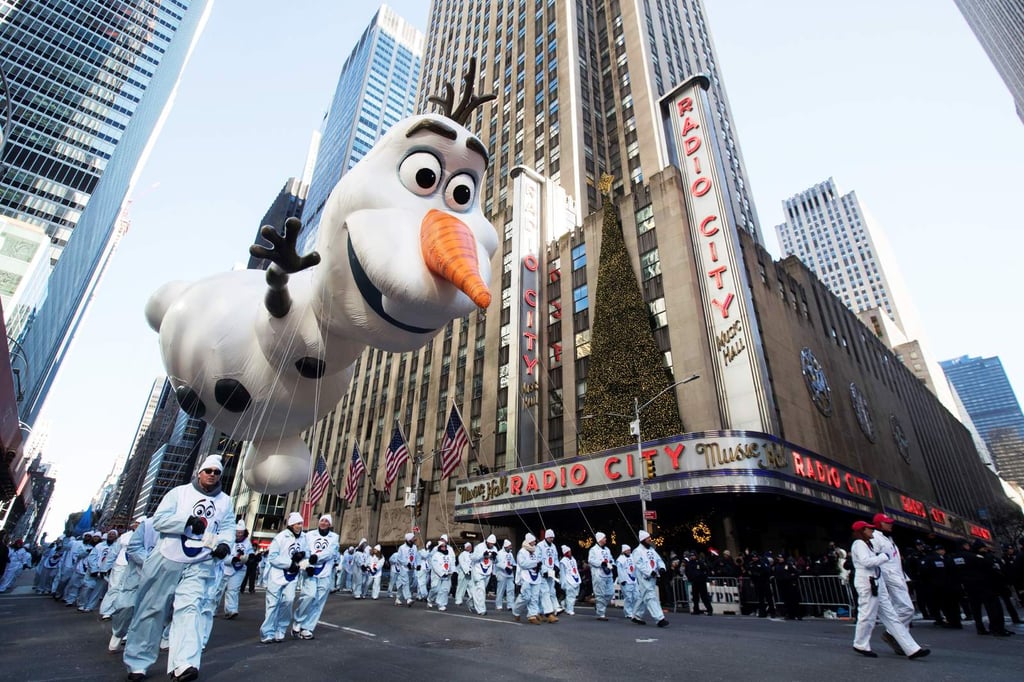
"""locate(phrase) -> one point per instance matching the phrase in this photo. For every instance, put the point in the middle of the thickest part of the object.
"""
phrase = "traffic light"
(421, 492)
(651, 469)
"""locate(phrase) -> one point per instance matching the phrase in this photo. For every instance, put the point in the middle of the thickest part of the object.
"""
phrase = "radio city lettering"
(822, 472)
(979, 532)
(702, 184)
(938, 516)
(912, 506)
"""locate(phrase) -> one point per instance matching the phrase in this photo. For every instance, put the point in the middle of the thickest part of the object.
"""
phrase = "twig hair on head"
(469, 101)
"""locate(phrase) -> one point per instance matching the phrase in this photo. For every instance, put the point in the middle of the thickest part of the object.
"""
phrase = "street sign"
(651, 515)
(645, 493)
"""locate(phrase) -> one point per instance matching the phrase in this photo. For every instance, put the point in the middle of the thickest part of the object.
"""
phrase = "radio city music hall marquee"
(716, 461)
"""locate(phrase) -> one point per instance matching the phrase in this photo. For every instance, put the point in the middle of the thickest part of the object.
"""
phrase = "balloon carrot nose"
(449, 250)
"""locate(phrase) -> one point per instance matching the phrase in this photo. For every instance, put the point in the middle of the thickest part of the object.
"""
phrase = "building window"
(579, 256)
(650, 265)
(580, 299)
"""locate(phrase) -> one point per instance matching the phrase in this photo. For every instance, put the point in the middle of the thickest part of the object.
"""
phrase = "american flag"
(454, 443)
(395, 458)
(355, 470)
(320, 482)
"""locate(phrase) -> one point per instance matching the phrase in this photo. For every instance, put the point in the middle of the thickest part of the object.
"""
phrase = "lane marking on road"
(330, 625)
(645, 641)
(486, 620)
(359, 632)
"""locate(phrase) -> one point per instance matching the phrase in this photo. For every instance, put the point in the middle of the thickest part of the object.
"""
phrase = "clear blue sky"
(895, 100)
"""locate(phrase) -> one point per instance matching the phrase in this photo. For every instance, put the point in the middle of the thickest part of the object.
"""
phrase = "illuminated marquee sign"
(740, 369)
(737, 460)
(905, 508)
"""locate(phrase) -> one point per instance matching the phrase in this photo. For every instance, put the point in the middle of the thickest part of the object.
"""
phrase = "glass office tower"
(988, 397)
(89, 83)
(376, 89)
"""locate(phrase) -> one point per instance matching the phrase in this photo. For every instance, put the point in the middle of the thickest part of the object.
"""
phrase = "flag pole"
(465, 465)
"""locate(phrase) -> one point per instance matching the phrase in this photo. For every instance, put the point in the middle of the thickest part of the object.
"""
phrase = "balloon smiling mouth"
(449, 252)
(190, 550)
(373, 296)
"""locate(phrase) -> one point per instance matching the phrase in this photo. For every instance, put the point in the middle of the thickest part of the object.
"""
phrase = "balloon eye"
(459, 193)
(420, 173)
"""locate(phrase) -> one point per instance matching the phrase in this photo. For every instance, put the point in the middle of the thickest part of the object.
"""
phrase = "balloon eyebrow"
(435, 127)
(475, 145)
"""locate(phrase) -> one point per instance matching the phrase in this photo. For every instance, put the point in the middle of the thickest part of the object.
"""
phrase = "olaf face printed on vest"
(320, 545)
(191, 545)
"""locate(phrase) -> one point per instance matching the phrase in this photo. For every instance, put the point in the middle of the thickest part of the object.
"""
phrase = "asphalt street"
(364, 640)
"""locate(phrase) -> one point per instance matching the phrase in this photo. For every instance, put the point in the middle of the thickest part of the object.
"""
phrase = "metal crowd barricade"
(826, 593)
(725, 594)
(680, 593)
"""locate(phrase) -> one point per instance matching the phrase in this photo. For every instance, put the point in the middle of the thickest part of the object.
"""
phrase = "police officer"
(760, 574)
(1004, 588)
(939, 583)
(697, 573)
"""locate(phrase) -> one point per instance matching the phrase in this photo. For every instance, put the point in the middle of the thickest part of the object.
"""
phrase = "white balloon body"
(266, 379)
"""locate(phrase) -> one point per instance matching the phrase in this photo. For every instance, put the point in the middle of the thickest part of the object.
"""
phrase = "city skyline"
(195, 155)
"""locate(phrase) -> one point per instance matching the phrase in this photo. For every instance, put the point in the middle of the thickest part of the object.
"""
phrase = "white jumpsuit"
(866, 565)
(570, 578)
(627, 579)
(177, 575)
(648, 565)
(315, 588)
(600, 560)
(894, 577)
(281, 582)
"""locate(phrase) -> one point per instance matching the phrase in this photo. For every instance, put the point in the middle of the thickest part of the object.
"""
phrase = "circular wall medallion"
(817, 382)
(900, 436)
(860, 408)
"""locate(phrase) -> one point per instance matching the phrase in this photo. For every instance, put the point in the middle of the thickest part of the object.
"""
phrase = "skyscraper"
(999, 27)
(155, 428)
(577, 87)
(834, 235)
(988, 397)
(376, 88)
(89, 85)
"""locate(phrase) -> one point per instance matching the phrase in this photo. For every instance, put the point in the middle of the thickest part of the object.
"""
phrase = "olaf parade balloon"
(402, 249)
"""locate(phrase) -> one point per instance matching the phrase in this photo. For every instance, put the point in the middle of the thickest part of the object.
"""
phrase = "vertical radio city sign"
(525, 321)
(740, 371)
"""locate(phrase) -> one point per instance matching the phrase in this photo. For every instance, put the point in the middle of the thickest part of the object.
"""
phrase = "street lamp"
(634, 430)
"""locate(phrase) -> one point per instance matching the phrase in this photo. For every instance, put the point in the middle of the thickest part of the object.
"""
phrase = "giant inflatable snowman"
(402, 249)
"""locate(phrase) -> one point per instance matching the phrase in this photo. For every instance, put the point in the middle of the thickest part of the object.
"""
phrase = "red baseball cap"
(861, 525)
(882, 518)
